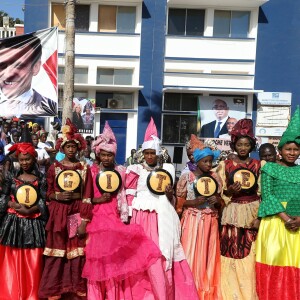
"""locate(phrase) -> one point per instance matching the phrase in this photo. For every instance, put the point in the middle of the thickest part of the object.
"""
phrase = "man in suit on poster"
(20, 60)
(215, 128)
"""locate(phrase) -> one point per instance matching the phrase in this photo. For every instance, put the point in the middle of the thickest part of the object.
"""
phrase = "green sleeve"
(270, 204)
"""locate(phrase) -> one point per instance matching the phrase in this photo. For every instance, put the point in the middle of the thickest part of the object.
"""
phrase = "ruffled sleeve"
(222, 175)
(131, 181)
(86, 206)
(270, 204)
(41, 204)
(181, 192)
(5, 196)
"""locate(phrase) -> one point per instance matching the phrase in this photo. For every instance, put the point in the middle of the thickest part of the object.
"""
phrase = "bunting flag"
(28, 74)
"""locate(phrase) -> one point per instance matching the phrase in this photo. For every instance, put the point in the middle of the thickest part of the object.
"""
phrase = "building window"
(233, 24)
(114, 76)
(178, 126)
(80, 75)
(120, 19)
(186, 22)
(114, 100)
(82, 16)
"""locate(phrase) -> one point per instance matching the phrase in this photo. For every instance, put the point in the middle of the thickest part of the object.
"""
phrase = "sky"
(13, 8)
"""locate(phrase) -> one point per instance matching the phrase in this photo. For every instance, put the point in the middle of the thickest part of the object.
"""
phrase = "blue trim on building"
(210, 74)
(209, 59)
(151, 64)
(209, 37)
(102, 56)
(36, 15)
(205, 87)
(277, 55)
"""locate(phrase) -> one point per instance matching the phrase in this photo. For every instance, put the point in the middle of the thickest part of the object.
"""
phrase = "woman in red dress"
(22, 228)
(70, 210)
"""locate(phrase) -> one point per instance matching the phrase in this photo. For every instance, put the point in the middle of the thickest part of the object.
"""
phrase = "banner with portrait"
(218, 114)
(28, 74)
(84, 114)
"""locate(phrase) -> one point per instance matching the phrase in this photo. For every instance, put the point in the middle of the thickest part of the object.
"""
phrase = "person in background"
(129, 160)
(15, 137)
(156, 214)
(118, 256)
(200, 228)
(22, 228)
(239, 221)
(217, 127)
(35, 128)
(77, 119)
(70, 210)
(43, 158)
(229, 125)
(44, 144)
(88, 116)
(87, 156)
(278, 240)
(190, 165)
(5, 133)
(267, 152)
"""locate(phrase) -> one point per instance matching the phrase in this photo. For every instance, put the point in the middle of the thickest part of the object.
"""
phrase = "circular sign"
(109, 181)
(68, 180)
(157, 181)
(205, 186)
(246, 178)
(26, 194)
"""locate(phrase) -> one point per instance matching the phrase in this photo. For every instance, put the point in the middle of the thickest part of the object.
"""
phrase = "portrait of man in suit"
(217, 127)
(20, 60)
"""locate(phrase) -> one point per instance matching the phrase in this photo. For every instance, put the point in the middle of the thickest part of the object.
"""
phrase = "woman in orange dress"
(200, 233)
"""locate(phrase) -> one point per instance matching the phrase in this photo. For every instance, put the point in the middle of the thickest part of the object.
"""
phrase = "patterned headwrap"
(69, 133)
(243, 128)
(292, 133)
(105, 141)
(40, 132)
(23, 148)
(151, 140)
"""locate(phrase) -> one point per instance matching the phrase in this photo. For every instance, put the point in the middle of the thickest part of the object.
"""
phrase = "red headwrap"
(243, 128)
(69, 132)
(23, 148)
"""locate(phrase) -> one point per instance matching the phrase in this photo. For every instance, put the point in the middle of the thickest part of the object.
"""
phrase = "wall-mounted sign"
(274, 98)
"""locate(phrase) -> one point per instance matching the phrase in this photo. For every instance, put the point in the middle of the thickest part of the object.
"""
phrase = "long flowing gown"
(161, 223)
(200, 239)
(237, 235)
(277, 249)
(64, 255)
(22, 240)
(117, 255)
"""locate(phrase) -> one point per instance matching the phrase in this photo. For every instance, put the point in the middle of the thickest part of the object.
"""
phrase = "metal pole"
(69, 60)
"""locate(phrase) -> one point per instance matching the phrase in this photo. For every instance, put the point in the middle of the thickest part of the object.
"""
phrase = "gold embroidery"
(54, 252)
(75, 253)
(87, 200)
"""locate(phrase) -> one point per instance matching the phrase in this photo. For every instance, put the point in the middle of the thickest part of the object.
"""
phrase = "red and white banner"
(28, 74)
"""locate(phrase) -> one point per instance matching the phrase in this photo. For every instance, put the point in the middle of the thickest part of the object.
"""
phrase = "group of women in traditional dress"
(110, 232)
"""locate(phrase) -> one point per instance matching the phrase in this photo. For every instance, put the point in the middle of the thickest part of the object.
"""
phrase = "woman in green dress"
(278, 241)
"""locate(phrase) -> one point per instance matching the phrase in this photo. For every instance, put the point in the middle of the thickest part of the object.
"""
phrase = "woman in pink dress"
(117, 255)
(160, 222)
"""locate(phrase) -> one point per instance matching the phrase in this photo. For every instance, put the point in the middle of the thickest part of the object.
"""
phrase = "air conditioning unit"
(114, 103)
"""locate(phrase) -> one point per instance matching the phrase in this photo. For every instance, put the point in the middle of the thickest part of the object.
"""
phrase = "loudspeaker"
(177, 156)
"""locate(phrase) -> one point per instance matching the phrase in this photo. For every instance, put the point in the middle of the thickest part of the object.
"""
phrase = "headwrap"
(243, 128)
(69, 133)
(201, 153)
(151, 140)
(201, 150)
(292, 133)
(195, 143)
(105, 141)
(23, 148)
